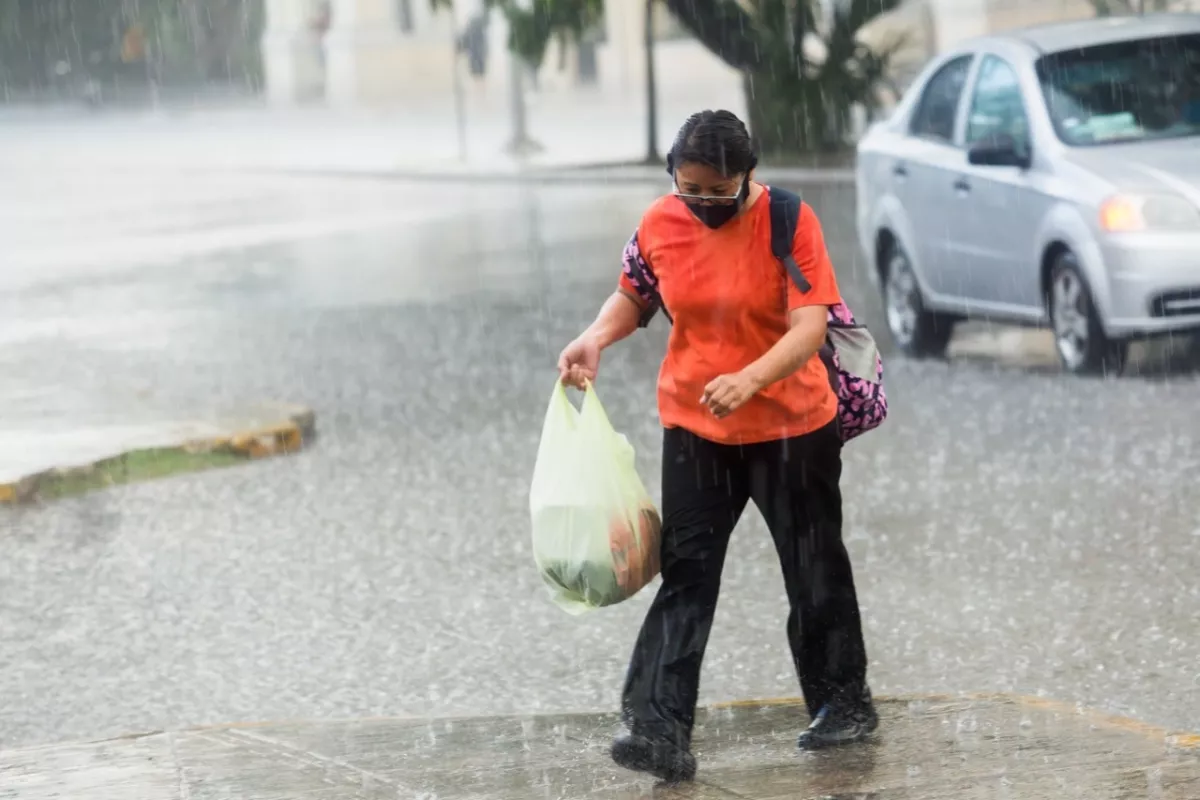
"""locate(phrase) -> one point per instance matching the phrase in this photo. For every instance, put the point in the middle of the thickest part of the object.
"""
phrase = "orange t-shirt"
(729, 298)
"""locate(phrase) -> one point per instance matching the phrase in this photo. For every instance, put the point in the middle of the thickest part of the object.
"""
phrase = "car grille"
(1177, 304)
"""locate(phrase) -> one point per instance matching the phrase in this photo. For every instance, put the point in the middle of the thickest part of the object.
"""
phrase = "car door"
(999, 208)
(925, 170)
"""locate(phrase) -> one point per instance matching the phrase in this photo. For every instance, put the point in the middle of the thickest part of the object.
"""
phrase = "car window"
(938, 108)
(1126, 91)
(997, 108)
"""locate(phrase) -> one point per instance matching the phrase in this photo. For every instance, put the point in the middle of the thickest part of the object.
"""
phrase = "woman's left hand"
(728, 393)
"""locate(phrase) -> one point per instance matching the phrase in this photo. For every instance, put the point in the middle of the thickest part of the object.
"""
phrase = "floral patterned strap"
(643, 280)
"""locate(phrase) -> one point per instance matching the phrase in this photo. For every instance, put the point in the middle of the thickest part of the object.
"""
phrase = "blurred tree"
(188, 39)
(207, 40)
(39, 39)
(803, 78)
(1113, 8)
(804, 75)
(532, 24)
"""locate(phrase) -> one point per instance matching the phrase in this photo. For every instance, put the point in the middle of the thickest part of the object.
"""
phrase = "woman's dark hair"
(715, 138)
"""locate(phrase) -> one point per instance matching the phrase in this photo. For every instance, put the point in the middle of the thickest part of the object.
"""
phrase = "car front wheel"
(1083, 347)
(915, 331)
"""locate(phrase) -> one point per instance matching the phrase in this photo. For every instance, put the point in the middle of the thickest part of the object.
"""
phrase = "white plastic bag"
(595, 528)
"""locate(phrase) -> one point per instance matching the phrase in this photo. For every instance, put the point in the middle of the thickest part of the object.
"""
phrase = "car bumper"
(1153, 283)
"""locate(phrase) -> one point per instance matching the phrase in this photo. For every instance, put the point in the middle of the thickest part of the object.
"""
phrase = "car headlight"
(1125, 213)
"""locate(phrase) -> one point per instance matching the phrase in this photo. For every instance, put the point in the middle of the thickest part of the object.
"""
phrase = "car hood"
(1171, 166)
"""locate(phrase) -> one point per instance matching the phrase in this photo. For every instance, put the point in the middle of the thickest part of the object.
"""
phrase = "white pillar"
(291, 52)
(389, 53)
(621, 59)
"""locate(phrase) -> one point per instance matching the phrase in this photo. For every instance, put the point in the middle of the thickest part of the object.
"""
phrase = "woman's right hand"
(579, 362)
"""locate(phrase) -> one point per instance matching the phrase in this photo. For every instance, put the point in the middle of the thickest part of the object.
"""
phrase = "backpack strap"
(641, 277)
(655, 306)
(786, 208)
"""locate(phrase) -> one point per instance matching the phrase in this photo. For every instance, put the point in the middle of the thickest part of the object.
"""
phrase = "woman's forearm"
(617, 319)
(798, 345)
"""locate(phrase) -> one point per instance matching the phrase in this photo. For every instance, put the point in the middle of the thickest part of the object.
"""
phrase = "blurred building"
(398, 53)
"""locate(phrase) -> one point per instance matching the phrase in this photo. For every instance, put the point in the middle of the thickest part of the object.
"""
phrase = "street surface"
(1012, 529)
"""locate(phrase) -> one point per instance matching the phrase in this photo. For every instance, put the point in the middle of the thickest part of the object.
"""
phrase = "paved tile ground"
(926, 749)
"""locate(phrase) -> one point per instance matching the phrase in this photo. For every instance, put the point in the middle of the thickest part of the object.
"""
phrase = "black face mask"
(715, 216)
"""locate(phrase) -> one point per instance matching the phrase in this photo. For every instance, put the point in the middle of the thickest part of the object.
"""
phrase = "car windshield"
(1124, 92)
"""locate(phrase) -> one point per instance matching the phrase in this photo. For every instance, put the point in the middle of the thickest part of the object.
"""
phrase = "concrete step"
(48, 451)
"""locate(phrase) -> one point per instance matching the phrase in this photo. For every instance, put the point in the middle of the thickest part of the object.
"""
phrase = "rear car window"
(1126, 91)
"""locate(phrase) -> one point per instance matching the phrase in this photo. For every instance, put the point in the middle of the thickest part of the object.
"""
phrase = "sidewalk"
(928, 748)
(581, 138)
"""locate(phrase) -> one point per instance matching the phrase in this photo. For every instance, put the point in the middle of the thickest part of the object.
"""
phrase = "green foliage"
(533, 24)
(201, 40)
(797, 102)
(187, 39)
(530, 29)
(1116, 8)
(36, 34)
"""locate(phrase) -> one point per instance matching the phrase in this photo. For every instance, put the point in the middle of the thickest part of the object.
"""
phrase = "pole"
(521, 144)
(652, 156)
(516, 97)
(460, 106)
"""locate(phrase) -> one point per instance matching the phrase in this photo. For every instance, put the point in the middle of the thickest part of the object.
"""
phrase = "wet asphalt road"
(1012, 529)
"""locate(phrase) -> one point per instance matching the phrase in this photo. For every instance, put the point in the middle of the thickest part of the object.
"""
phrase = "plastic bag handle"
(592, 407)
(566, 409)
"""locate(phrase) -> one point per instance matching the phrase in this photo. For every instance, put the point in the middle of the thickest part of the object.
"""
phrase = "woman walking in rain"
(748, 413)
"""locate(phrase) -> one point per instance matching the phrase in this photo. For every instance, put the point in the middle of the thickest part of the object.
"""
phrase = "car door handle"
(962, 186)
(900, 171)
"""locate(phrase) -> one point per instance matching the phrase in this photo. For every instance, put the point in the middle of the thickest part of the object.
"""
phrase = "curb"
(288, 436)
(548, 176)
(621, 174)
(1176, 740)
(1180, 741)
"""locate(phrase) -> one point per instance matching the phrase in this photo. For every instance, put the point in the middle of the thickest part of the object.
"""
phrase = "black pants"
(794, 483)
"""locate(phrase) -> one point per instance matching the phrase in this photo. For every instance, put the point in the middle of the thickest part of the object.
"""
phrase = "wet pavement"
(926, 749)
(1012, 529)
(570, 129)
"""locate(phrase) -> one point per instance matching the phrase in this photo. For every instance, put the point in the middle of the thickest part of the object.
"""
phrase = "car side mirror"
(999, 150)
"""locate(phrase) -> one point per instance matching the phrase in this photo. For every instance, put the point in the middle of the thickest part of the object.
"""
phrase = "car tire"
(916, 332)
(1083, 346)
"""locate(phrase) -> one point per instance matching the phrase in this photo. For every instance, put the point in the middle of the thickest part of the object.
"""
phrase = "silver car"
(1047, 176)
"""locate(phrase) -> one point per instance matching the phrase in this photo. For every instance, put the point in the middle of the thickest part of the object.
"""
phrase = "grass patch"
(135, 467)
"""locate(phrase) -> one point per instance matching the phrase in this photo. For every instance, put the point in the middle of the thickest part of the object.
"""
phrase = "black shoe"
(833, 726)
(660, 758)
